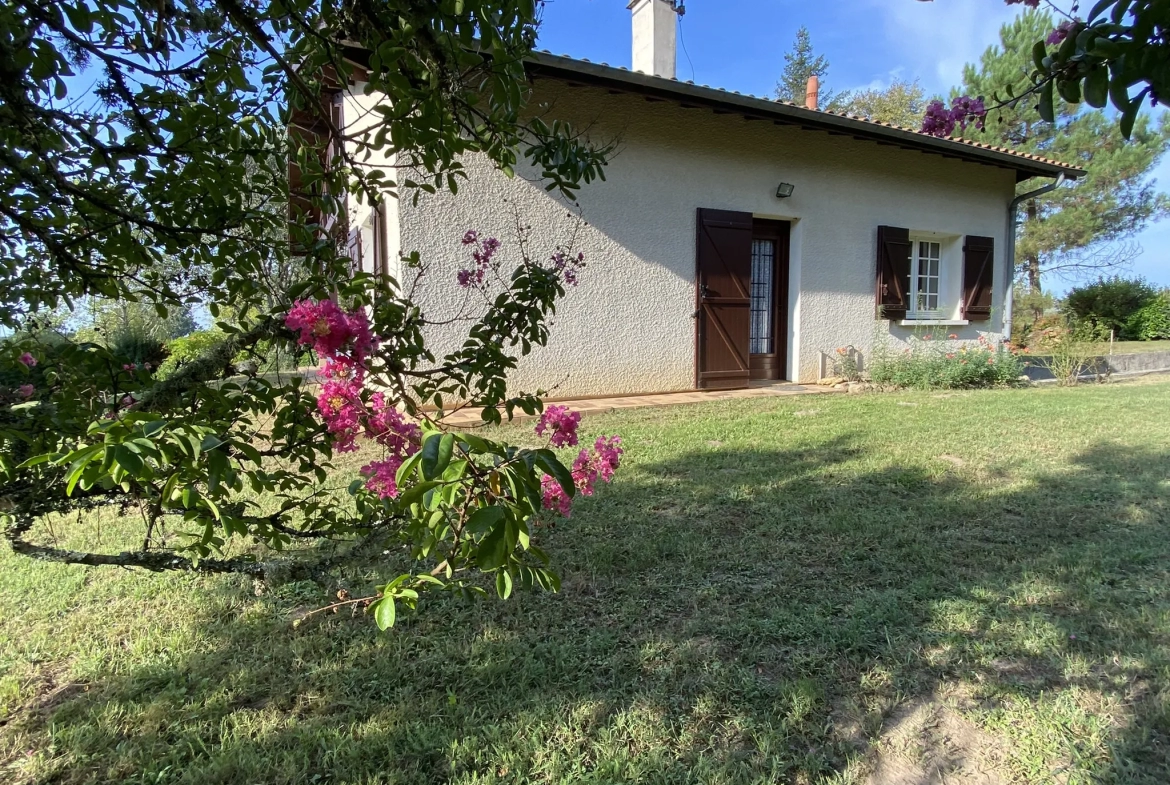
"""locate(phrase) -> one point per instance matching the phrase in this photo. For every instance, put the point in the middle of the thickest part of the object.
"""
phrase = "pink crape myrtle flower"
(553, 497)
(561, 425)
(482, 256)
(1061, 31)
(328, 329)
(26, 391)
(381, 477)
(27, 360)
(600, 463)
(390, 427)
(567, 266)
(964, 111)
(340, 406)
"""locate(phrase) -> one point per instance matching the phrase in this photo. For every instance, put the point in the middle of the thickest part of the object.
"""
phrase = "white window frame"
(913, 311)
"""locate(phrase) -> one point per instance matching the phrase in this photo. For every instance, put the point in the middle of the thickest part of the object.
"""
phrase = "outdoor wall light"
(785, 190)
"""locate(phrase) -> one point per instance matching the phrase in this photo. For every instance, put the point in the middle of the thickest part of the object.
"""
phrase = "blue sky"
(740, 45)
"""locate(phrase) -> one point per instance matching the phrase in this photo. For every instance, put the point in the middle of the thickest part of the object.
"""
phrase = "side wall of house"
(629, 326)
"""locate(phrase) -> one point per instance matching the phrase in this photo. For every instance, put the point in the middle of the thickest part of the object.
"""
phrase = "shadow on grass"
(728, 616)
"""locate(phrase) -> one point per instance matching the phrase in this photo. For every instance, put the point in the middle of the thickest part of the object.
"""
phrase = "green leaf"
(1128, 117)
(385, 612)
(484, 519)
(503, 584)
(1097, 87)
(547, 460)
(1098, 9)
(1045, 107)
(128, 460)
(1039, 52)
(493, 549)
(1070, 90)
(436, 454)
(415, 492)
(1118, 86)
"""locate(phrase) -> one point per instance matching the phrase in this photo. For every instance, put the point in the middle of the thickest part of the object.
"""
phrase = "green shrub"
(1107, 305)
(134, 346)
(946, 365)
(1031, 308)
(263, 359)
(1151, 322)
(187, 348)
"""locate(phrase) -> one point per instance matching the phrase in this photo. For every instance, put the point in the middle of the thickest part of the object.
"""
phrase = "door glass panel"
(763, 310)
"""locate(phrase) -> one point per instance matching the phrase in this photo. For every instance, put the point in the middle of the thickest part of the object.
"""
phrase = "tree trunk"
(1032, 261)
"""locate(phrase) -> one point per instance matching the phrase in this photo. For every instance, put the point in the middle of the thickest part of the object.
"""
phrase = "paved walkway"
(468, 417)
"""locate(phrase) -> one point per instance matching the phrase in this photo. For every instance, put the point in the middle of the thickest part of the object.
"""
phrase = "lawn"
(890, 588)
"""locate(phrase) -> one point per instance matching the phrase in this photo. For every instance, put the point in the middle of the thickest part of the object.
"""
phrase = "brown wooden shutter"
(723, 262)
(978, 278)
(893, 272)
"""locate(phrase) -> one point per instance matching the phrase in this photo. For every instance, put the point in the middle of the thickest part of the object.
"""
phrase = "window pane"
(763, 265)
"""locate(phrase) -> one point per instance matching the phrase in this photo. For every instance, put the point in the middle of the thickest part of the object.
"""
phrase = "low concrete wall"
(1106, 365)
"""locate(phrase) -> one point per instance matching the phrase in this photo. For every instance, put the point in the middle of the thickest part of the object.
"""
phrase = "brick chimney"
(811, 92)
(655, 36)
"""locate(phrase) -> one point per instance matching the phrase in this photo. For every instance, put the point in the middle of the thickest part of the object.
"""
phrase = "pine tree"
(1085, 227)
(799, 65)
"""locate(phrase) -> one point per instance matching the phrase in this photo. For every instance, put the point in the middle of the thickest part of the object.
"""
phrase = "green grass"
(798, 590)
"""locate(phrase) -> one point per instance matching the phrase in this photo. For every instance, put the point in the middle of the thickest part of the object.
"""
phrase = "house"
(735, 238)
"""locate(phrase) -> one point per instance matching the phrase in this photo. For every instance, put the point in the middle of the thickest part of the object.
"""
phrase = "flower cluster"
(561, 425)
(600, 463)
(329, 330)
(344, 340)
(481, 256)
(26, 391)
(1062, 31)
(964, 111)
(567, 266)
(398, 436)
(27, 360)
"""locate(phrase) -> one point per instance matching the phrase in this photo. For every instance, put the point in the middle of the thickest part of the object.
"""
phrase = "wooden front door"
(723, 262)
(768, 336)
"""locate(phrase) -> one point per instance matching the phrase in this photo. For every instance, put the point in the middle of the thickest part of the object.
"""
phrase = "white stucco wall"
(629, 326)
(360, 117)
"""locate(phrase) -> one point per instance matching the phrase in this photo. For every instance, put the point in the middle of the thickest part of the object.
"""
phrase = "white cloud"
(936, 39)
(881, 82)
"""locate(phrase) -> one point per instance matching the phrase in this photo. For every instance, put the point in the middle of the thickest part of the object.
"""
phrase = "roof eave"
(622, 80)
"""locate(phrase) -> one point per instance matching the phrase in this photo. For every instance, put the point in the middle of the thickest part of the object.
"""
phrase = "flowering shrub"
(930, 364)
(845, 365)
(463, 504)
(212, 171)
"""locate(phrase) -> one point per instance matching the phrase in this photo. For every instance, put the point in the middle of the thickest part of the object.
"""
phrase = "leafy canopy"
(145, 155)
(1077, 228)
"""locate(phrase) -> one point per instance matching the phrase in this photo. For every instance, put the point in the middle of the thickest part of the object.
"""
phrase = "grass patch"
(887, 587)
